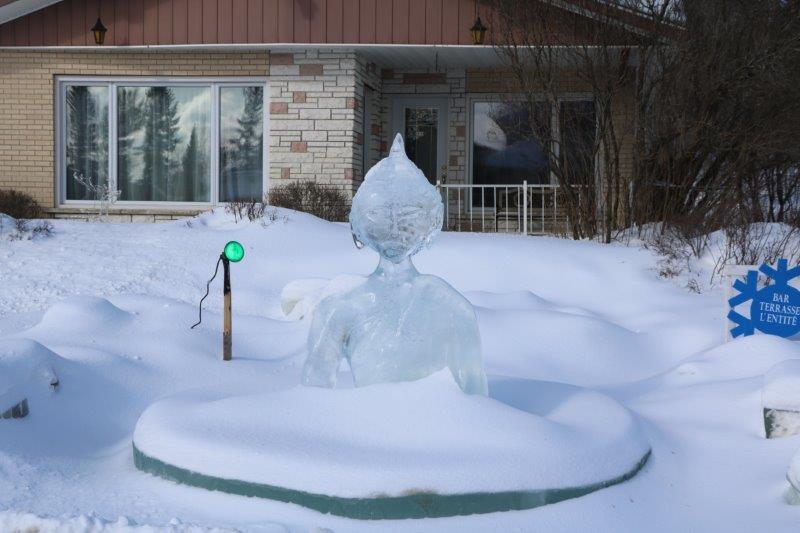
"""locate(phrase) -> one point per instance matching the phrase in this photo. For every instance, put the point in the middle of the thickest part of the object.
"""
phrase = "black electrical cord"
(208, 287)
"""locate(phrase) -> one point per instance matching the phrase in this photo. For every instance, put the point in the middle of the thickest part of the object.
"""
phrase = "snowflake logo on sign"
(774, 309)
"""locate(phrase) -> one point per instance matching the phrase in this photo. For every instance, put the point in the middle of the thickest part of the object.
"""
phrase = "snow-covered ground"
(110, 305)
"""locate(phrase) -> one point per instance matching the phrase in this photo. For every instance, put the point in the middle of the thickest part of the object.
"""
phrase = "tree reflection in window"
(241, 156)
(86, 150)
(163, 143)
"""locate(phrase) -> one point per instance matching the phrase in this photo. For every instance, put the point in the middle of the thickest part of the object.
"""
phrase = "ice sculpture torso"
(399, 325)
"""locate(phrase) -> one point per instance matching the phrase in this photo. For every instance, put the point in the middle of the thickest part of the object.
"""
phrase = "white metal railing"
(526, 208)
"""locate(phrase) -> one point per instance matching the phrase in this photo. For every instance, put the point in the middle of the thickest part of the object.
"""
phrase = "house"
(191, 103)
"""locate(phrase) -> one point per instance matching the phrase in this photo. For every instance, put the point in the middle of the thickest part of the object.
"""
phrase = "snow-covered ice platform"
(405, 450)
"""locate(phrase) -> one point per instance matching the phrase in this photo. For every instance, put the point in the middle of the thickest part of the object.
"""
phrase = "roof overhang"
(395, 56)
(13, 9)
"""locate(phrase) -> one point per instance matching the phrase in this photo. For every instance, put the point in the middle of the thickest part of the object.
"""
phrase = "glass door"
(423, 123)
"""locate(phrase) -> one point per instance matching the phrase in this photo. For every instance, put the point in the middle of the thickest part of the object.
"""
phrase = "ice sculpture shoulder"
(399, 325)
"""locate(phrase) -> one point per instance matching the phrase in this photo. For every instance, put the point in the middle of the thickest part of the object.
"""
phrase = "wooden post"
(227, 326)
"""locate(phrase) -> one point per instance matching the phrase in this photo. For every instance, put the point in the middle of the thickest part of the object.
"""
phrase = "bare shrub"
(754, 244)
(321, 200)
(18, 204)
(24, 232)
(252, 210)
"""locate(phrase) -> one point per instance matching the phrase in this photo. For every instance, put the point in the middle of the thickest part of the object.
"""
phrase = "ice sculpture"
(399, 325)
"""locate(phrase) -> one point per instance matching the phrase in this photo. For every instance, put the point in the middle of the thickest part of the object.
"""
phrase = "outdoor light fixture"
(478, 31)
(99, 32)
(232, 253)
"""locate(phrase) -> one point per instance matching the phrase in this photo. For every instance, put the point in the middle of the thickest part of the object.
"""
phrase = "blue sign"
(774, 309)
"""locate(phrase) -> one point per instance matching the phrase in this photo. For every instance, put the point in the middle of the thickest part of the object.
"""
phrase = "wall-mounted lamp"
(99, 32)
(478, 31)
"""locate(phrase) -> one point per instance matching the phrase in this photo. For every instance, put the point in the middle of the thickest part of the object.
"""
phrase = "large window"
(241, 147)
(171, 142)
(506, 136)
(86, 140)
(505, 146)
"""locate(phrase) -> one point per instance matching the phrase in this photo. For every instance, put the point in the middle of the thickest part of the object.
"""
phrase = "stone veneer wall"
(314, 117)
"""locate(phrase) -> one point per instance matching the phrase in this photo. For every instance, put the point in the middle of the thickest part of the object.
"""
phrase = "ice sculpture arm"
(325, 346)
(464, 345)
(465, 360)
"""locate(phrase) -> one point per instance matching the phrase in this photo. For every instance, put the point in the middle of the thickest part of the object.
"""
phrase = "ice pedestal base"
(406, 450)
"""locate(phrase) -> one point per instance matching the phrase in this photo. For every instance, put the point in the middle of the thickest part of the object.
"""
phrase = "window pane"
(164, 143)
(578, 125)
(505, 146)
(86, 150)
(421, 134)
(241, 152)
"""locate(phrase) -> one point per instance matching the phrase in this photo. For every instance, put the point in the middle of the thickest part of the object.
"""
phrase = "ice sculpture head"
(396, 211)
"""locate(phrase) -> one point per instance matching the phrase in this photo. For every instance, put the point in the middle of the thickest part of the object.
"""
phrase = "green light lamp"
(233, 251)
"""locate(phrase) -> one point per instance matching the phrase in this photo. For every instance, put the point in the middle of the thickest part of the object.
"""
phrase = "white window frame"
(214, 83)
(555, 125)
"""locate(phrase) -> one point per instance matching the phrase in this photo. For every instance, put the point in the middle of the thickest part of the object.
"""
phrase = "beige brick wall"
(27, 135)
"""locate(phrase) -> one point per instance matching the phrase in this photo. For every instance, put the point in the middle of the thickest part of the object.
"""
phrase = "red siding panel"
(400, 21)
(63, 26)
(77, 10)
(166, 22)
(286, 21)
(367, 21)
(416, 21)
(224, 21)
(136, 25)
(6, 37)
(302, 21)
(50, 37)
(319, 15)
(350, 21)
(180, 22)
(21, 31)
(239, 18)
(164, 12)
(433, 21)
(209, 21)
(334, 23)
(383, 21)
(194, 21)
(450, 27)
(466, 18)
(150, 21)
(119, 24)
(270, 29)
(35, 23)
(254, 21)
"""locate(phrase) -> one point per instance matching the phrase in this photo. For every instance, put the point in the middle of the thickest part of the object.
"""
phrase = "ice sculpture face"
(396, 211)
(399, 325)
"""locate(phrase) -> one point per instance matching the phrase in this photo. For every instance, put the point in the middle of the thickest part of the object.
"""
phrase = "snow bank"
(30, 523)
(782, 386)
(81, 313)
(391, 439)
(26, 368)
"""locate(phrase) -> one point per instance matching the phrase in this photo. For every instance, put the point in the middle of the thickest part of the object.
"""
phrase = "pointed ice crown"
(397, 171)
